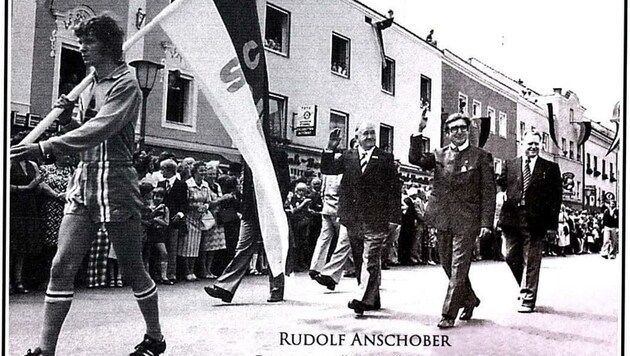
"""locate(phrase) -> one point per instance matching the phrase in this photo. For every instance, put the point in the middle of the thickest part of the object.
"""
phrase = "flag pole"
(43, 125)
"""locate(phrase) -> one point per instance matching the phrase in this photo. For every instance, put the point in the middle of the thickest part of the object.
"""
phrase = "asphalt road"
(579, 308)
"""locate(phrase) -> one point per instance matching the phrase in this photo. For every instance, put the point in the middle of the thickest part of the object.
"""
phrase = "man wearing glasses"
(461, 207)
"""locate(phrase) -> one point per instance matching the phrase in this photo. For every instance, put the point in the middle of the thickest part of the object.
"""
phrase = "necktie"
(168, 186)
(455, 148)
(527, 177)
(364, 161)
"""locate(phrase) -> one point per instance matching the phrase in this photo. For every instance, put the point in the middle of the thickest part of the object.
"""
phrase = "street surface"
(578, 314)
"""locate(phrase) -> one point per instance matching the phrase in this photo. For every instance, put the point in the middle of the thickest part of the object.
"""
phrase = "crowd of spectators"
(208, 240)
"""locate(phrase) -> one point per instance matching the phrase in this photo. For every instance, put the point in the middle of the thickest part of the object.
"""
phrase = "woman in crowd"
(24, 230)
(228, 214)
(212, 240)
(198, 195)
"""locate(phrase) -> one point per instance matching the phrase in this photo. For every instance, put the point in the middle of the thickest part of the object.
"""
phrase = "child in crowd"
(113, 272)
(158, 220)
(297, 209)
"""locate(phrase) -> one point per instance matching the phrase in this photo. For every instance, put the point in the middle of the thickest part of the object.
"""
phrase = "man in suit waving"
(367, 204)
(461, 207)
(534, 196)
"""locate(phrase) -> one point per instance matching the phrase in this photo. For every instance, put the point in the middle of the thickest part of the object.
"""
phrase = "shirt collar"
(532, 161)
(118, 72)
(460, 148)
(171, 180)
(369, 152)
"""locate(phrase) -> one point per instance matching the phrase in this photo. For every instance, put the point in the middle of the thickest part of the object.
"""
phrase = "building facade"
(326, 70)
(466, 88)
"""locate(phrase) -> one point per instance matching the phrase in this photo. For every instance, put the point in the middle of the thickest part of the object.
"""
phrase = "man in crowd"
(610, 221)
(104, 188)
(529, 214)
(250, 234)
(176, 201)
(461, 207)
(367, 204)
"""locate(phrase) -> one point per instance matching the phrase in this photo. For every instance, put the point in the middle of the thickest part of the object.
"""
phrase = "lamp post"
(146, 72)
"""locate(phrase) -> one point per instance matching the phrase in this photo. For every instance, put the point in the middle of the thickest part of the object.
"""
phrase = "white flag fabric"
(195, 27)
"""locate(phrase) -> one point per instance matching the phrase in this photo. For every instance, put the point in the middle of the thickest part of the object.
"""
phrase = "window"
(340, 61)
(545, 143)
(462, 103)
(339, 119)
(564, 146)
(579, 153)
(588, 160)
(277, 29)
(388, 76)
(498, 165)
(277, 116)
(571, 149)
(502, 124)
(493, 119)
(476, 109)
(571, 115)
(522, 129)
(577, 192)
(603, 167)
(612, 170)
(386, 138)
(180, 101)
(425, 91)
(595, 163)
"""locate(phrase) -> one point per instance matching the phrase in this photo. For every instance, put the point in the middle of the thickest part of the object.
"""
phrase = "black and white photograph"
(314, 177)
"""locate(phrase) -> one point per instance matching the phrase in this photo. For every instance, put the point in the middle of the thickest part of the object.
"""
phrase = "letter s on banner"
(232, 72)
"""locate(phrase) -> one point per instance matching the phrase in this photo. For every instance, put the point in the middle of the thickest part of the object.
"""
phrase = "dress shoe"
(313, 273)
(526, 309)
(326, 281)
(166, 282)
(219, 293)
(275, 298)
(467, 313)
(359, 307)
(446, 323)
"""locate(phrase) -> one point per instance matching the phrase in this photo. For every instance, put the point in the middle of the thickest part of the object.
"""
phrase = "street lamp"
(146, 72)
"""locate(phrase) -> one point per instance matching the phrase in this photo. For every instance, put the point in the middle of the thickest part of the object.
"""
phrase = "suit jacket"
(176, 200)
(463, 197)
(369, 197)
(543, 200)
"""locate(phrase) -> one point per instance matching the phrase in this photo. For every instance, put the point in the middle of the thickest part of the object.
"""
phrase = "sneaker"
(149, 347)
(35, 352)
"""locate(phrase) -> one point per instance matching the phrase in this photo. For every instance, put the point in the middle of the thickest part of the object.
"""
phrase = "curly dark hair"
(106, 30)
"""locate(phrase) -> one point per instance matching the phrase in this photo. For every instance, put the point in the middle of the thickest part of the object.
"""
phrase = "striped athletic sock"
(148, 303)
(56, 307)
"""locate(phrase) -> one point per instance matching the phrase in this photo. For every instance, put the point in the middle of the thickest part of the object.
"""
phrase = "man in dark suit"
(461, 207)
(250, 234)
(176, 200)
(367, 204)
(534, 196)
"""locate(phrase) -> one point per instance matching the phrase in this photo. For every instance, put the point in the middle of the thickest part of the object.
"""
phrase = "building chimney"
(557, 90)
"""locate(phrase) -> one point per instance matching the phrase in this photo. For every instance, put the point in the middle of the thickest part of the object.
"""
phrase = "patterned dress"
(51, 209)
(197, 197)
(214, 239)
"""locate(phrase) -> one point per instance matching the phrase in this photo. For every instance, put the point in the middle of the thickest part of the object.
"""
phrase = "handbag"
(207, 221)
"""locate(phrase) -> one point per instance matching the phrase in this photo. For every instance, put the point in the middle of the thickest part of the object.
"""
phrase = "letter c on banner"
(232, 72)
(247, 49)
